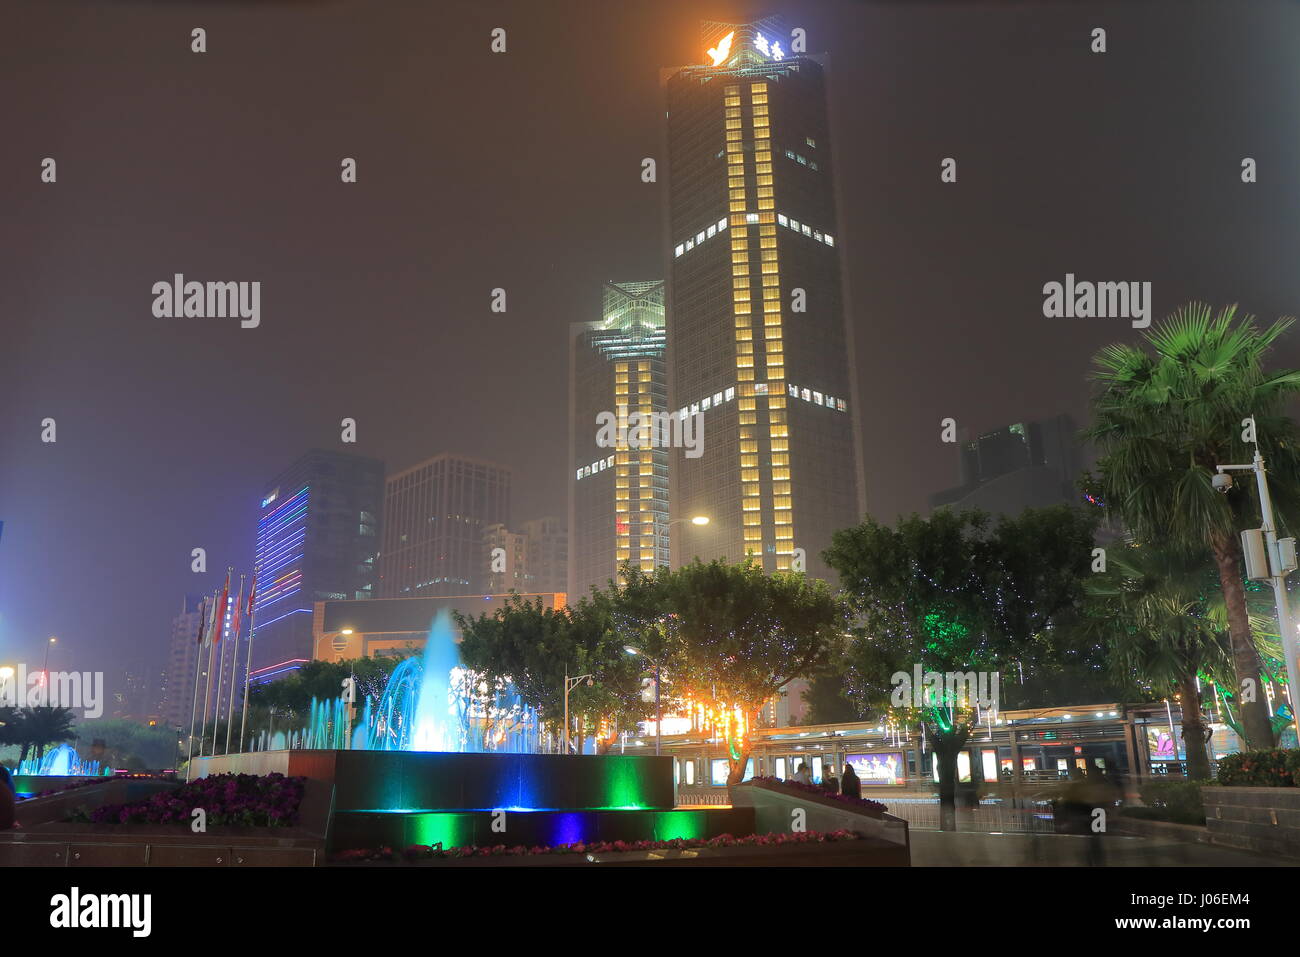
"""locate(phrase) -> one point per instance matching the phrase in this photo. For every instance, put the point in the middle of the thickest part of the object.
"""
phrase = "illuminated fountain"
(62, 761)
(431, 703)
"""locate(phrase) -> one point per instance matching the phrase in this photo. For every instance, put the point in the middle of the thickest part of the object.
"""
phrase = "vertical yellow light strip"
(773, 331)
(622, 485)
(645, 471)
(742, 310)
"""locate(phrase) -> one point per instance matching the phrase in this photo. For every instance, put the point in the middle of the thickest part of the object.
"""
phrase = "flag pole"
(207, 675)
(194, 705)
(234, 662)
(221, 677)
(248, 662)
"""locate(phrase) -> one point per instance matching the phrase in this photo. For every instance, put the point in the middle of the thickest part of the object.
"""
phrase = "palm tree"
(41, 726)
(1165, 419)
(1154, 610)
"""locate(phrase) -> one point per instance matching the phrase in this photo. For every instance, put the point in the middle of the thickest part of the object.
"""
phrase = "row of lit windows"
(699, 238)
(807, 230)
(829, 401)
(801, 159)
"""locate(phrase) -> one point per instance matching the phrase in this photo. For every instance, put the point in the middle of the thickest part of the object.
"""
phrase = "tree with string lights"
(952, 594)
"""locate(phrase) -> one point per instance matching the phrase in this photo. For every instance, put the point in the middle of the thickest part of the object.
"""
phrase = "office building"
(618, 494)
(758, 341)
(435, 516)
(318, 533)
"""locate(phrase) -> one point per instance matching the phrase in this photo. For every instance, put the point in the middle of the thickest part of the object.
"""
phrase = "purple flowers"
(420, 852)
(241, 800)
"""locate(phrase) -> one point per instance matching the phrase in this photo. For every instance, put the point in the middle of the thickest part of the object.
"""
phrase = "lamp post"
(659, 711)
(569, 685)
(45, 669)
(1278, 562)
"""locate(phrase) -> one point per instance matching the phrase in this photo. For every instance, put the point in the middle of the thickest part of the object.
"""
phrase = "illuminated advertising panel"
(881, 768)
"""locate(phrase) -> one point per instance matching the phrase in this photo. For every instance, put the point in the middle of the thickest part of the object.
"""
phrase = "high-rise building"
(318, 533)
(435, 514)
(618, 498)
(1018, 466)
(176, 700)
(758, 342)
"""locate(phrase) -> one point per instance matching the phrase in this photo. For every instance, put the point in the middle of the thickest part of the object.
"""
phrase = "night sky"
(522, 171)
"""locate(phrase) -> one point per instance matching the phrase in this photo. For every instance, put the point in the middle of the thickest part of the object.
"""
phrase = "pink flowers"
(243, 800)
(420, 852)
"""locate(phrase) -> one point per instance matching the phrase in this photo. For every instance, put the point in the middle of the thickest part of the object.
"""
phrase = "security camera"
(1222, 482)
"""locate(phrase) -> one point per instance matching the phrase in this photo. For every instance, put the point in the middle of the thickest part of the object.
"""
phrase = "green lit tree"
(953, 594)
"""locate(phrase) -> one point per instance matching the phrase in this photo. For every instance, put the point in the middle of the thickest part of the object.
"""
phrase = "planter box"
(777, 807)
(1265, 820)
(865, 852)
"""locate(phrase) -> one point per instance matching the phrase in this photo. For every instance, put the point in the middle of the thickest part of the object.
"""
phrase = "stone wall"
(1266, 820)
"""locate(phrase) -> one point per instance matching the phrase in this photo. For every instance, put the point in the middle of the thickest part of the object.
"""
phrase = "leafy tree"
(1154, 609)
(291, 696)
(1165, 415)
(734, 636)
(129, 744)
(953, 593)
(535, 648)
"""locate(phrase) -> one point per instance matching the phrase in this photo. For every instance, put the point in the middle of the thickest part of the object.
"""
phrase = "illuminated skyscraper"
(756, 308)
(317, 538)
(618, 498)
(435, 516)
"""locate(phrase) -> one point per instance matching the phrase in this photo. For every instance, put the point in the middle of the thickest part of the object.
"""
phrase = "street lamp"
(569, 685)
(1272, 563)
(45, 670)
(659, 713)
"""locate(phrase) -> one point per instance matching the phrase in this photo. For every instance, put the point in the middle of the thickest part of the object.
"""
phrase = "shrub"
(1181, 799)
(1274, 768)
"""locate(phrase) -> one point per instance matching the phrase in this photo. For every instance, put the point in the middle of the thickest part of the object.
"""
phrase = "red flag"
(252, 593)
(239, 607)
(221, 609)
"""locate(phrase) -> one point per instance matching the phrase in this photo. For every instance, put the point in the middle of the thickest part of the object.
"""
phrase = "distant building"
(435, 516)
(176, 698)
(534, 559)
(618, 494)
(318, 533)
(1025, 465)
(343, 630)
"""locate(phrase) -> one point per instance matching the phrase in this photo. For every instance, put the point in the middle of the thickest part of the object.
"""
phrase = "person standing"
(850, 786)
(829, 781)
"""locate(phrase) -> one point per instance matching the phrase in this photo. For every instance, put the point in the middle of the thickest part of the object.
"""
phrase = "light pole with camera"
(1268, 558)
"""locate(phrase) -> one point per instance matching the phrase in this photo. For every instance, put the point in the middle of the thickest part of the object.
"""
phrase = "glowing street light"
(659, 713)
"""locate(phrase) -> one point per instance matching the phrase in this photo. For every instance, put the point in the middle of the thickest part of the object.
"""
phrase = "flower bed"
(814, 789)
(1274, 768)
(421, 852)
(245, 800)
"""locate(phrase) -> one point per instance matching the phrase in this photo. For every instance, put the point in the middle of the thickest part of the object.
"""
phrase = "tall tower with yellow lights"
(757, 338)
